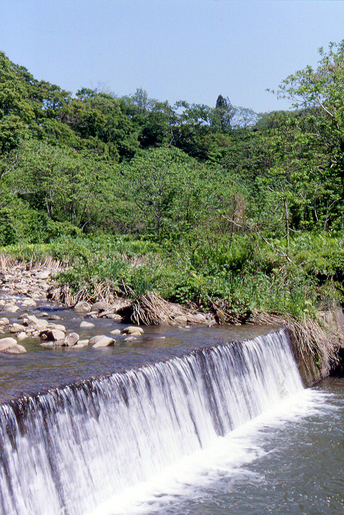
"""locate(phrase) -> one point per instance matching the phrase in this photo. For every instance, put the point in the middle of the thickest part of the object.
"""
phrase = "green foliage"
(214, 206)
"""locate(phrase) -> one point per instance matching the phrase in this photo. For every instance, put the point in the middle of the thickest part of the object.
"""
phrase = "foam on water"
(155, 429)
(225, 457)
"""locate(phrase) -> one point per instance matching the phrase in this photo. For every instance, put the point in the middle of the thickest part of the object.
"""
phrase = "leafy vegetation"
(217, 207)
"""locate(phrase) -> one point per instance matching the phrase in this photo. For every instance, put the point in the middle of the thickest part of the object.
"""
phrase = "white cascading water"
(70, 449)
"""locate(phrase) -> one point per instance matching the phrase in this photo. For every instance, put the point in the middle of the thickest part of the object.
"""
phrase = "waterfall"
(66, 451)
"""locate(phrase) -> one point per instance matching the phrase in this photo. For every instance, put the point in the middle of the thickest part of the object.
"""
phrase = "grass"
(241, 275)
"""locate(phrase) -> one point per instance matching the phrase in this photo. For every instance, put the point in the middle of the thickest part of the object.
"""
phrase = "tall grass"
(240, 274)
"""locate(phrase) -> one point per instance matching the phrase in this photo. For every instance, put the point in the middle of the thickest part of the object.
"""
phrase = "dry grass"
(151, 309)
(62, 294)
(10, 264)
(316, 343)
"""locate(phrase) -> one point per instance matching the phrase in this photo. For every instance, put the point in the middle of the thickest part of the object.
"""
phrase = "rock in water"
(71, 339)
(85, 325)
(133, 329)
(6, 343)
(82, 307)
(105, 341)
(100, 306)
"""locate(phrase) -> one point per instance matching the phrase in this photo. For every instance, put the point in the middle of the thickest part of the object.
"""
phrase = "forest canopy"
(235, 193)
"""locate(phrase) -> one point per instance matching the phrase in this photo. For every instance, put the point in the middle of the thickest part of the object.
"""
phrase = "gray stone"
(48, 345)
(111, 316)
(71, 339)
(130, 339)
(86, 325)
(104, 342)
(6, 343)
(96, 339)
(16, 349)
(10, 308)
(60, 327)
(4, 321)
(53, 335)
(80, 344)
(132, 329)
(54, 317)
(100, 306)
(82, 307)
(198, 318)
(37, 323)
(29, 302)
(181, 319)
(16, 328)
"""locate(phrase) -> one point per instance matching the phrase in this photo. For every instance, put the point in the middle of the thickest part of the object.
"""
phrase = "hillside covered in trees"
(218, 207)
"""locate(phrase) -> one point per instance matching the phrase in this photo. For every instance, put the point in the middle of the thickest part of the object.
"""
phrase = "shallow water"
(41, 368)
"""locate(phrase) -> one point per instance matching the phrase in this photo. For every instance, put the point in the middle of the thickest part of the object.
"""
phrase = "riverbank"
(318, 345)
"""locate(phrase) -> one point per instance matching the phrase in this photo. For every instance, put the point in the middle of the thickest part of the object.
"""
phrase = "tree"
(16, 110)
(223, 114)
(315, 145)
(67, 185)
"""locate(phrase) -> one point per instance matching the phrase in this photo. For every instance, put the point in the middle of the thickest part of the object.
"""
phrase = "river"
(286, 462)
(225, 430)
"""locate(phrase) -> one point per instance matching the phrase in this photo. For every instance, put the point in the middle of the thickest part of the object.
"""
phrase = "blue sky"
(189, 50)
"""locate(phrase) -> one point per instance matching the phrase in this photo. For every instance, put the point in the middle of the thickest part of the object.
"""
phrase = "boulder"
(198, 318)
(110, 315)
(38, 324)
(16, 349)
(29, 302)
(80, 344)
(105, 341)
(52, 335)
(10, 308)
(54, 317)
(130, 339)
(181, 319)
(48, 345)
(132, 329)
(82, 307)
(115, 332)
(6, 343)
(60, 327)
(86, 325)
(4, 321)
(22, 336)
(16, 328)
(71, 339)
(100, 306)
(96, 339)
